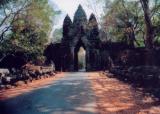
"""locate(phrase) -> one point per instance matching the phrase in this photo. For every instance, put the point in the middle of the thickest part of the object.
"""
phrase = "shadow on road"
(69, 95)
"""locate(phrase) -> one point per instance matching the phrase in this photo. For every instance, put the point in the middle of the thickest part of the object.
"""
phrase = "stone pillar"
(72, 59)
(98, 60)
(88, 66)
(94, 60)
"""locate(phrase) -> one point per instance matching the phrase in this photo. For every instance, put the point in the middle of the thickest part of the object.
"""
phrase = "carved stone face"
(79, 33)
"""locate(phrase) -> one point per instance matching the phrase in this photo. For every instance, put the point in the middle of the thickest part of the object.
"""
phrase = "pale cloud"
(70, 6)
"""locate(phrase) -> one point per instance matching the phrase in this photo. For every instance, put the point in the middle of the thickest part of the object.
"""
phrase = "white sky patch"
(70, 6)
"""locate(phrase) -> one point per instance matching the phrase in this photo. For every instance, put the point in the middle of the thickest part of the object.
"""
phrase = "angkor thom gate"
(79, 33)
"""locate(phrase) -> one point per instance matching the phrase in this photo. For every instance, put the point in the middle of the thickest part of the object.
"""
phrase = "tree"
(122, 21)
(57, 35)
(30, 31)
(9, 10)
(149, 17)
(149, 32)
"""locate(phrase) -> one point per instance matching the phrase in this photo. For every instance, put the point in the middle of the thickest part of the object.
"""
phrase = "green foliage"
(57, 35)
(31, 29)
(124, 18)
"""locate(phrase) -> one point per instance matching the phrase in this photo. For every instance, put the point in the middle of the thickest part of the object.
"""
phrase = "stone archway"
(80, 32)
(76, 50)
(82, 60)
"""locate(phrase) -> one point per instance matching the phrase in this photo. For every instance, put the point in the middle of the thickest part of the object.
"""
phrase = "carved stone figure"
(79, 33)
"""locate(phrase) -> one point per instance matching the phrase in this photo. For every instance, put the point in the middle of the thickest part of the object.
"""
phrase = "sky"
(70, 6)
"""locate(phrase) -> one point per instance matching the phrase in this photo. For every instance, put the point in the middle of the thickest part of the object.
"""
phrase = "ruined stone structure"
(79, 33)
(99, 55)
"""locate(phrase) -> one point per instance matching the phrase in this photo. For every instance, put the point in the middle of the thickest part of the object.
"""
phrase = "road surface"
(71, 94)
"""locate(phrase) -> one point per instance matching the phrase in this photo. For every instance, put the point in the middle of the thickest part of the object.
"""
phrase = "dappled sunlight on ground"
(36, 84)
(71, 94)
(78, 93)
(115, 97)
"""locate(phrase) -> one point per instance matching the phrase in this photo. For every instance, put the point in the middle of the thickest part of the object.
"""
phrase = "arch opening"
(80, 57)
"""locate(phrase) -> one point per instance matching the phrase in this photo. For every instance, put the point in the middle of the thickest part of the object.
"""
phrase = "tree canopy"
(133, 22)
(25, 26)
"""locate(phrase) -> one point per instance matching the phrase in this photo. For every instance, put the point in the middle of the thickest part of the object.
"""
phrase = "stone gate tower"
(78, 33)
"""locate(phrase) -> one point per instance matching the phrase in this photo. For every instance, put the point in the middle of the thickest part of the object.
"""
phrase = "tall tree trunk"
(149, 30)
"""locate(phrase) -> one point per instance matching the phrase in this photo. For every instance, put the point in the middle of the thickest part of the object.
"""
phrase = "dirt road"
(80, 93)
(71, 94)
